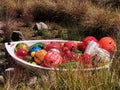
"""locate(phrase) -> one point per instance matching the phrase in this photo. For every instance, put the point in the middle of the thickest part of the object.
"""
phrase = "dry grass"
(59, 10)
(91, 80)
(101, 22)
(91, 19)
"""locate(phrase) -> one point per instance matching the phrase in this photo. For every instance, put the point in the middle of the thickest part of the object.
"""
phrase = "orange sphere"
(108, 44)
(39, 56)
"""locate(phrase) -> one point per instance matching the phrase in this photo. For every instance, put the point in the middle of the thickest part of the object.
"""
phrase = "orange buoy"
(108, 44)
(39, 56)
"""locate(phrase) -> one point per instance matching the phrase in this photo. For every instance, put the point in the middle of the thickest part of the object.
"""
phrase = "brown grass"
(92, 19)
(59, 10)
(100, 22)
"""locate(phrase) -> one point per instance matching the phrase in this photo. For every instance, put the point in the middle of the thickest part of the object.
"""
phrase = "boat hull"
(10, 46)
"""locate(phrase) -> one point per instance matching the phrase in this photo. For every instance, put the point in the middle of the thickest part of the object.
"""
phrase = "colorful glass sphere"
(53, 59)
(40, 44)
(81, 46)
(85, 58)
(70, 45)
(32, 54)
(34, 49)
(21, 53)
(53, 45)
(108, 44)
(22, 46)
(87, 39)
(56, 50)
(39, 56)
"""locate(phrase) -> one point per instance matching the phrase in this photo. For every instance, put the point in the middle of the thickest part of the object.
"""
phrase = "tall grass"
(89, 18)
(100, 22)
(68, 80)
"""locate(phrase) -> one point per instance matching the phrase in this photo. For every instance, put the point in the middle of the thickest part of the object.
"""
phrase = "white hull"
(11, 46)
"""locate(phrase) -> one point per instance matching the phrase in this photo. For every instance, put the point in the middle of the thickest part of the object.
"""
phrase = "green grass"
(69, 80)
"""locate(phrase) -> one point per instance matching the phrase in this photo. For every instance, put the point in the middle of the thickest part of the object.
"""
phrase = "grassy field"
(66, 19)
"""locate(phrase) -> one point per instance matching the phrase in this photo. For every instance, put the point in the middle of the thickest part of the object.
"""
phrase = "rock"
(32, 80)
(1, 79)
(40, 25)
(17, 36)
(8, 73)
(9, 69)
(2, 25)
(2, 62)
(1, 32)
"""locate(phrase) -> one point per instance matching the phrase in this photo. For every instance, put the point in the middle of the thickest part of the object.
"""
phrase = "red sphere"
(108, 44)
(88, 39)
(70, 45)
(81, 46)
(68, 55)
(85, 58)
(52, 59)
(53, 45)
(21, 53)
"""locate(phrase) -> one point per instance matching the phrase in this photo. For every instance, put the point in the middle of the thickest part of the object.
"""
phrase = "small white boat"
(10, 46)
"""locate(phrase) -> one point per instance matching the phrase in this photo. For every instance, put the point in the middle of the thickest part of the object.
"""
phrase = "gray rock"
(1, 61)
(17, 36)
(1, 32)
(8, 73)
(40, 25)
(2, 24)
(9, 69)
(32, 80)
(1, 79)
